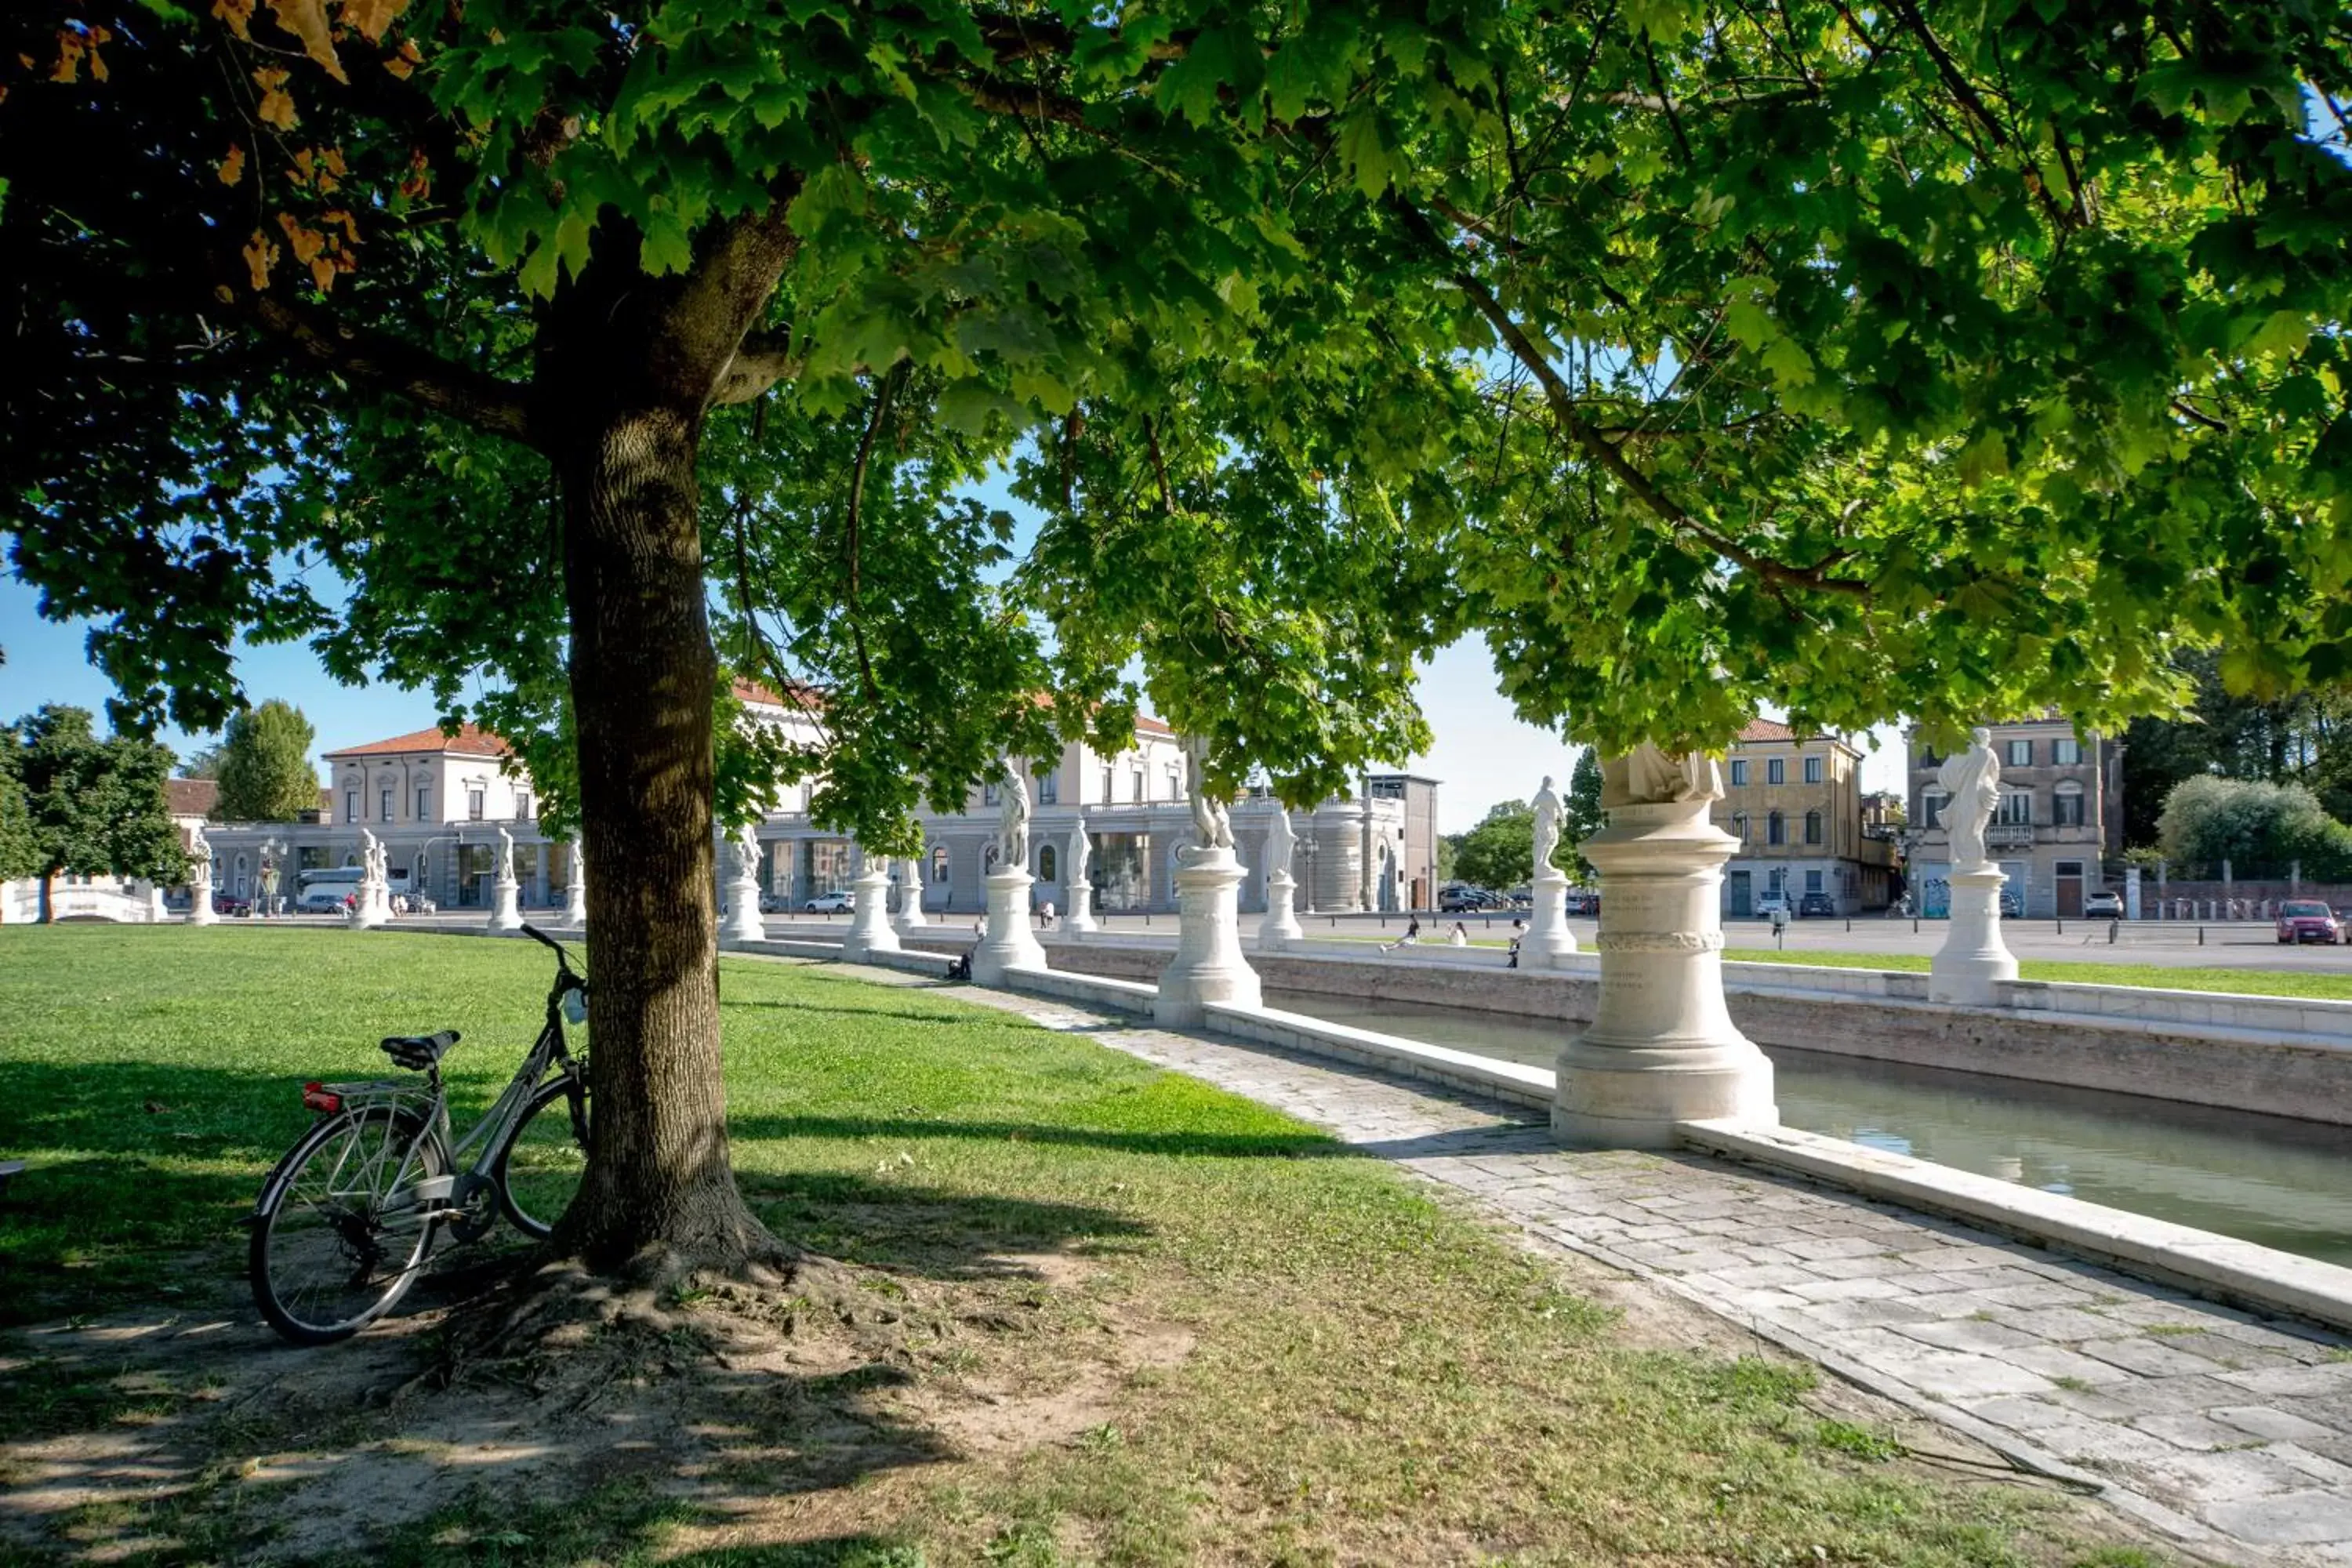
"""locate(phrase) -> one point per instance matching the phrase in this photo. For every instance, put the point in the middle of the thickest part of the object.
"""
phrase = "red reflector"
(319, 1099)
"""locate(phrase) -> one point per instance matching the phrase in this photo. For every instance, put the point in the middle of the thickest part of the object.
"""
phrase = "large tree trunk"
(643, 672)
(48, 908)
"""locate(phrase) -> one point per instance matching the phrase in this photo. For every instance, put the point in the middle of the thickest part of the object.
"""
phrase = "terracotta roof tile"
(191, 797)
(1767, 729)
(470, 741)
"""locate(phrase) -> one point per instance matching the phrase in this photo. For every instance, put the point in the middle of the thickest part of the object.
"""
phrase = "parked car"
(2012, 908)
(232, 904)
(2308, 919)
(829, 904)
(1769, 904)
(1584, 901)
(774, 904)
(2103, 906)
(1816, 904)
(1464, 898)
(326, 900)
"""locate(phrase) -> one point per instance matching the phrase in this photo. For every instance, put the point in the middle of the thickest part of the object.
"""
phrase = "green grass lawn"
(2315, 985)
(1357, 1372)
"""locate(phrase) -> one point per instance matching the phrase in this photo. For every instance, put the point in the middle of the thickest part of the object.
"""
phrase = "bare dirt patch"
(148, 1433)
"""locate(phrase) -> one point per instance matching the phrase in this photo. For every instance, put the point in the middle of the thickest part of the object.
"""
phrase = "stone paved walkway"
(2231, 1433)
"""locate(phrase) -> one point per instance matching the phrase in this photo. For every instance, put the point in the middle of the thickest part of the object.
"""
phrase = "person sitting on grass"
(1411, 934)
(1458, 937)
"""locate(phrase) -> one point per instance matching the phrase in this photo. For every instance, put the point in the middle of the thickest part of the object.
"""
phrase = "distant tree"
(1500, 852)
(1584, 817)
(204, 762)
(20, 851)
(2259, 828)
(264, 765)
(2296, 737)
(1448, 846)
(94, 806)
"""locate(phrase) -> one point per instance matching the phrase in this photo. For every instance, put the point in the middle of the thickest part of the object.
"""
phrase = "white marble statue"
(1971, 781)
(1281, 843)
(1213, 826)
(200, 860)
(505, 868)
(1011, 820)
(1081, 855)
(1548, 807)
(745, 849)
(1647, 777)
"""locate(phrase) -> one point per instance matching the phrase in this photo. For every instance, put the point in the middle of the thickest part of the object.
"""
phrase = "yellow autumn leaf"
(322, 272)
(307, 20)
(307, 242)
(236, 15)
(369, 19)
(260, 255)
(276, 104)
(232, 168)
(406, 61)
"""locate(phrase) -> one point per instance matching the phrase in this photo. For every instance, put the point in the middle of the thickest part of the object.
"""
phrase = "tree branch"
(1562, 402)
(376, 360)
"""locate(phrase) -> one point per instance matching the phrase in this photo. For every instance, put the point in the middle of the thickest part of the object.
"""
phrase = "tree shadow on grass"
(1222, 1145)
(900, 1014)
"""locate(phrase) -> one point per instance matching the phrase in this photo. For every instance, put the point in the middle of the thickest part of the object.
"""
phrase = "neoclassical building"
(439, 804)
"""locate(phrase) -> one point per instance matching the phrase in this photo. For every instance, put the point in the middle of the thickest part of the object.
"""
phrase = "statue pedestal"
(370, 909)
(1079, 919)
(1661, 1048)
(1208, 966)
(505, 906)
(1009, 943)
(1280, 927)
(1973, 959)
(575, 904)
(743, 922)
(200, 905)
(910, 897)
(1549, 940)
(869, 917)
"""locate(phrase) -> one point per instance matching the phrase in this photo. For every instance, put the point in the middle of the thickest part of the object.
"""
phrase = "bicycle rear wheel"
(540, 1171)
(325, 1258)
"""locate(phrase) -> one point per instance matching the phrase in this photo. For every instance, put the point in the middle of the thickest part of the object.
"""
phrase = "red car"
(2308, 919)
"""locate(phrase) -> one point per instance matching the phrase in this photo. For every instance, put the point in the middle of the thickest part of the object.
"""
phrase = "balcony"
(2009, 836)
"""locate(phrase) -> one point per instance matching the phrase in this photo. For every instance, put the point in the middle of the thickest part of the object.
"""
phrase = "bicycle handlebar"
(541, 937)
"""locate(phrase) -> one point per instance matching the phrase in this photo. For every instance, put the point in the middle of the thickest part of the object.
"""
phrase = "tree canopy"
(266, 772)
(1938, 359)
(2262, 831)
(1499, 853)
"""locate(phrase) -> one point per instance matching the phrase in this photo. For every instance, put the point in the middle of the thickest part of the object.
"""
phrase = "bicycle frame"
(426, 1199)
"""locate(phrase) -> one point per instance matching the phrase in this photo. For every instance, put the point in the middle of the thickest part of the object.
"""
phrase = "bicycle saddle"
(417, 1052)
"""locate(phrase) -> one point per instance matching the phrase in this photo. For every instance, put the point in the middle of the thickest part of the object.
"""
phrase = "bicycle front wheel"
(540, 1171)
(333, 1245)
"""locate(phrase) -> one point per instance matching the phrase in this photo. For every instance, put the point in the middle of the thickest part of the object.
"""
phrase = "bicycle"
(343, 1225)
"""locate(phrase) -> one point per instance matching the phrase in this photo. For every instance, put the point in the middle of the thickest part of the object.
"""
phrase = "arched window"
(1812, 827)
(1931, 807)
(940, 863)
(2066, 803)
(1776, 828)
(1046, 863)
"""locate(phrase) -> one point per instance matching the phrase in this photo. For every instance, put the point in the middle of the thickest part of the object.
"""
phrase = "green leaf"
(1360, 149)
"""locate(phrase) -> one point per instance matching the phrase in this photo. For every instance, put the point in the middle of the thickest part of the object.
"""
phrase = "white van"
(326, 898)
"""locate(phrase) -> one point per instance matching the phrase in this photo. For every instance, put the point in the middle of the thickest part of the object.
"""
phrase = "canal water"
(2267, 1179)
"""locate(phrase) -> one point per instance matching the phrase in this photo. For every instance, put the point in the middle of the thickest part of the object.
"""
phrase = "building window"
(1931, 809)
(1928, 757)
(522, 808)
(2067, 754)
(1175, 781)
(1776, 830)
(1739, 826)
(1045, 864)
(2066, 806)
(1779, 881)
(2017, 810)
(474, 803)
(424, 803)
(1776, 770)
(351, 806)
(383, 802)
(940, 863)
(1812, 770)
(1738, 770)
(1139, 787)
(1107, 785)
(989, 793)
(2021, 754)
(1812, 827)
(1812, 881)
(1049, 788)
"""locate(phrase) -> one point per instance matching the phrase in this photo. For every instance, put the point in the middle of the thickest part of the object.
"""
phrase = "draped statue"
(1011, 820)
(1971, 779)
(1213, 826)
(1281, 843)
(1548, 807)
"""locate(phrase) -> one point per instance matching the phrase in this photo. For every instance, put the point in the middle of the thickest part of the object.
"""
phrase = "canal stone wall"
(2154, 1045)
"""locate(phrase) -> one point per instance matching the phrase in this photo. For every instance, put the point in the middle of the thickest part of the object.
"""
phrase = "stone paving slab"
(2231, 1432)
